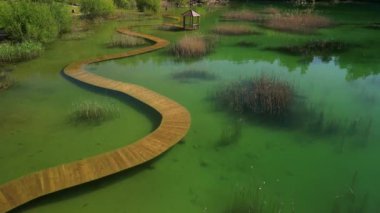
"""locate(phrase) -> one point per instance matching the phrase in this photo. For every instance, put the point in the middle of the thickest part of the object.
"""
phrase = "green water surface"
(301, 169)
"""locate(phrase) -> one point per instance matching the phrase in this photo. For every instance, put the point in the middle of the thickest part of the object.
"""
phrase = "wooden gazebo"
(191, 20)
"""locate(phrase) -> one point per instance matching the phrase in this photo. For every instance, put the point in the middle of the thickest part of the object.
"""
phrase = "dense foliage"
(97, 8)
(27, 20)
(149, 5)
(126, 4)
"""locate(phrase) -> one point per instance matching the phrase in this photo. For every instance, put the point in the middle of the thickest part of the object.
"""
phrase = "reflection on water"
(337, 138)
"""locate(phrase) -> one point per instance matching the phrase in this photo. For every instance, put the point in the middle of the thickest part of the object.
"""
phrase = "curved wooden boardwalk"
(173, 127)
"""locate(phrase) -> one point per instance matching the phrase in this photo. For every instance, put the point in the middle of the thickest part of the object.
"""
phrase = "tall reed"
(233, 30)
(262, 96)
(243, 15)
(92, 112)
(193, 46)
(299, 23)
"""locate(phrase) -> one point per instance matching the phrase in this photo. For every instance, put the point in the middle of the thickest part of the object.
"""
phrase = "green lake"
(303, 170)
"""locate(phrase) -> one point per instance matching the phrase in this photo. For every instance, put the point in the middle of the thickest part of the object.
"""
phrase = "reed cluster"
(92, 112)
(243, 15)
(298, 22)
(233, 30)
(262, 96)
(193, 46)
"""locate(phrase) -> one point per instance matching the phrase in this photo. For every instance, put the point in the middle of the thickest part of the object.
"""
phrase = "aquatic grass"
(260, 96)
(233, 30)
(230, 135)
(193, 74)
(91, 112)
(6, 81)
(124, 41)
(253, 201)
(243, 15)
(193, 46)
(19, 51)
(298, 22)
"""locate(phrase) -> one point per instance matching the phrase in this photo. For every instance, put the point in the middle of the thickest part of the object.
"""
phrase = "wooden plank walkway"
(173, 127)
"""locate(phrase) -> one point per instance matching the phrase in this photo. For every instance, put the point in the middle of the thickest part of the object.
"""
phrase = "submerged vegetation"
(261, 96)
(193, 74)
(20, 51)
(91, 112)
(123, 41)
(324, 48)
(193, 46)
(351, 200)
(230, 134)
(6, 81)
(233, 30)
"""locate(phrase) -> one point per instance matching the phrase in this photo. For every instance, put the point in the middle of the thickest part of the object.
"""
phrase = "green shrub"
(148, 5)
(27, 20)
(62, 16)
(123, 41)
(97, 8)
(19, 52)
(126, 4)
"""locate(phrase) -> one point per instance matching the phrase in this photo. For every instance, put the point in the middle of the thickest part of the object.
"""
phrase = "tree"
(97, 8)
